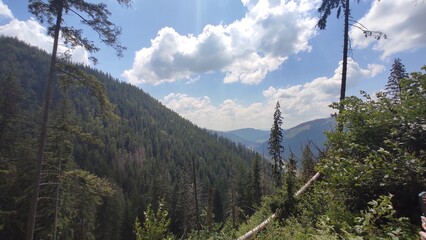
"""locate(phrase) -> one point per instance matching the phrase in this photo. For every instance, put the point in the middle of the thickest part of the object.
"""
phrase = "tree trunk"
(345, 61)
(43, 134)
(345, 52)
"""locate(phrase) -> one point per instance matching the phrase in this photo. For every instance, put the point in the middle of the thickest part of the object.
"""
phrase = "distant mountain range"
(295, 139)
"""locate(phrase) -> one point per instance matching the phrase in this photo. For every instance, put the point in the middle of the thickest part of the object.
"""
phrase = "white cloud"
(5, 11)
(310, 101)
(28, 31)
(245, 50)
(35, 34)
(226, 116)
(401, 20)
(299, 103)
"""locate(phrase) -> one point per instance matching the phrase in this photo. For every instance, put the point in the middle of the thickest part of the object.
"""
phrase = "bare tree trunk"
(345, 52)
(43, 134)
(345, 61)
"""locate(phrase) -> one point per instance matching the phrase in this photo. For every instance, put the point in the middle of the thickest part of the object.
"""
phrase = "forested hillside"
(126, 167)
(103, 171)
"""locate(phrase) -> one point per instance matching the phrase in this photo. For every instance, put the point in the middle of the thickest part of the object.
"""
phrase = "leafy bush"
(380, 221)
(382, 148)
(155, 226)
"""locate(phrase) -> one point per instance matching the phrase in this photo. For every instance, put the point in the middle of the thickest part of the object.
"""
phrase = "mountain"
(294, 140)
(249, 137)
(147, 153)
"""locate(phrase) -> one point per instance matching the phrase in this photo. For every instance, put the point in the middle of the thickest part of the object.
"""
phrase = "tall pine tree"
(92, 15)
(397, 73)
(275, 145)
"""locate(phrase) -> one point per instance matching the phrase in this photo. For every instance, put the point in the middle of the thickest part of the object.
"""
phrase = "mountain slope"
(145, 153)
(249, 137)
(294, 139)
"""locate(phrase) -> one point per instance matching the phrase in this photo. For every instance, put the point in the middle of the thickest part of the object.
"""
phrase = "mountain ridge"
(294, 139)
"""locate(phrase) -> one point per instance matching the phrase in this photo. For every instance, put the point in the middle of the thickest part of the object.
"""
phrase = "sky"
(223, 64)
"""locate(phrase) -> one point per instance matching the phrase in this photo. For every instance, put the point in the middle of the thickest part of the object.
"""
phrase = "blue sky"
(223, 64)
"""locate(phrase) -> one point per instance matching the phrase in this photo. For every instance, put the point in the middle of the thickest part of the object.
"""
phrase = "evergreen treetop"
(275, 145)
(397, 73)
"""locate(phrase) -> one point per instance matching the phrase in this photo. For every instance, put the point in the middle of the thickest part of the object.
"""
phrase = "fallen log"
(263, 224)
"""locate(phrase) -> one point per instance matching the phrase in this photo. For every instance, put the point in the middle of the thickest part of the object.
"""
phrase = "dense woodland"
(136, 170)
(110, 167)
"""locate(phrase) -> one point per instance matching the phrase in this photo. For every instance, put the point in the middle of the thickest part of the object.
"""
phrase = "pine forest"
(93, 157)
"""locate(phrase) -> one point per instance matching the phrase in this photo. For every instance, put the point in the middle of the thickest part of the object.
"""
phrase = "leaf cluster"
(155, 225)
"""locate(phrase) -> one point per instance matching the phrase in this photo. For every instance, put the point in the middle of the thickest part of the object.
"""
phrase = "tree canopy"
(275, 145)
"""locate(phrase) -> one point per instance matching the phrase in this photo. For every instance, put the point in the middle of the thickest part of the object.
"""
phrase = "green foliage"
(16, 154)
(82, 193)
(256, 183)
(75, 77)
(95, 16)
(308, 164)
(372, 172)
(262, 213)
(290, 202)
(292, 229)
(325, 10)
(393, 87)
(215, 234)
(155, 226)
(382, 149)
(325, 209)
(380, 221)
(275, 146)
(142, 153)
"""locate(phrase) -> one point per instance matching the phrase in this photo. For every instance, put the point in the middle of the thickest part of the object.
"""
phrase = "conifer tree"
(245, 196)
(397, 73)
(233, 208)
(188, 195)
(13, 150)
(275, 145)
(96, 17)
(291, 181)
(325, 10)
(155, 226)
(307, 163)
(256, 187)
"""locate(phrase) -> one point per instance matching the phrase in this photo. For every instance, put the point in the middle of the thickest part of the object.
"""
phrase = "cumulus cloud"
(35, 34)
(310, 100)
(245, 50)
(402, 21)
(226, 116)
(5, 11)
(299, 103)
